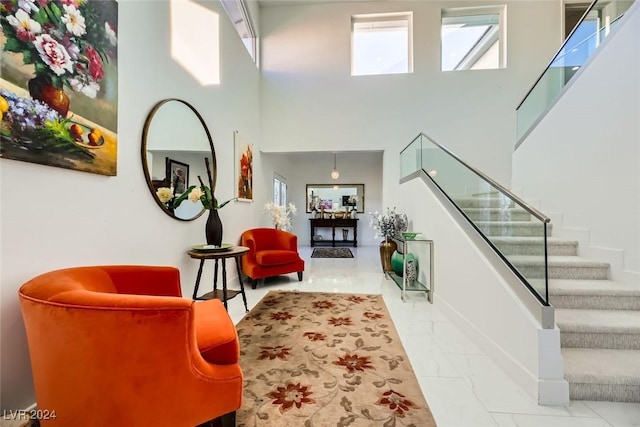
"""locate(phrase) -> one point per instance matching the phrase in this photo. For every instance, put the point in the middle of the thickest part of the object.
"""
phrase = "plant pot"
(40, 88)
(387, 247)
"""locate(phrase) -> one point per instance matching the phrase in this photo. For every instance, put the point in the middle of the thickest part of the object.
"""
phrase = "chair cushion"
(276, 257)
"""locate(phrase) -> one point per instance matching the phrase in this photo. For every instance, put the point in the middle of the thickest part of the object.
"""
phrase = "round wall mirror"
(175, 144)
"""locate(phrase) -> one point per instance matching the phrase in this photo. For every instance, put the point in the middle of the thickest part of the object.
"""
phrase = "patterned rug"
(331, 253)
(326, 359)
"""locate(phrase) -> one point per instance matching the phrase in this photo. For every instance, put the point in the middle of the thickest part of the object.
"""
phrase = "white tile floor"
(462, 386)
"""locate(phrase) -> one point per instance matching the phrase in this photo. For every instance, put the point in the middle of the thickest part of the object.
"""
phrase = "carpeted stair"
(599, 320)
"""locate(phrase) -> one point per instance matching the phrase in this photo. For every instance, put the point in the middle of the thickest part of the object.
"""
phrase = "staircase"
(599, 320)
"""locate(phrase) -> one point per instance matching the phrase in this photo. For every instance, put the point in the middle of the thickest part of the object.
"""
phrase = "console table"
(334, 223)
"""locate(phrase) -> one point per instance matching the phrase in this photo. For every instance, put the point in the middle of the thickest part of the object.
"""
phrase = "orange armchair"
(119, 346)
(271, 252)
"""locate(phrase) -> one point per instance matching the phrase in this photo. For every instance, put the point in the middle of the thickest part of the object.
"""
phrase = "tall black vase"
(213, 228)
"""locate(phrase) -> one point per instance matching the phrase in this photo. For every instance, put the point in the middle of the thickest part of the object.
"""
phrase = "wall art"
(243, 168)
(59, 84)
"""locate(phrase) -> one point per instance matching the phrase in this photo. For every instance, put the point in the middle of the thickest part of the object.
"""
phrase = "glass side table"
(424, 282)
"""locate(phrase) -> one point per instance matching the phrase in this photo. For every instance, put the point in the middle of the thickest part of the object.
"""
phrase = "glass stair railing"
(516, 231)
(594, 26)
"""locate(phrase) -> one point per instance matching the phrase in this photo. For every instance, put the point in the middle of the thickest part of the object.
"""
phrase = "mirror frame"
(145, 164)
(359, 191)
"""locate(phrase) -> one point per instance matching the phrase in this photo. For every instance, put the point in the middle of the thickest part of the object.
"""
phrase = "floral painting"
(59, 83)
(244, 168)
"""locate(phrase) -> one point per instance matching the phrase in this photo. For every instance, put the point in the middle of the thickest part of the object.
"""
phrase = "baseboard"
(546, 391)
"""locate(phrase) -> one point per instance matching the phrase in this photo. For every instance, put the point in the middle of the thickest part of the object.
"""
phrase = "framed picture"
(60, 109)
(326, 204)
(178, 175)
(243, 150)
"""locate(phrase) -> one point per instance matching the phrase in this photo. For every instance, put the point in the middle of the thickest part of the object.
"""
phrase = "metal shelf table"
(401, 281)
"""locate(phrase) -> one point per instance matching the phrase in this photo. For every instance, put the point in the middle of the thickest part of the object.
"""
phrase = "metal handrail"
(533, 211)
(557, 53)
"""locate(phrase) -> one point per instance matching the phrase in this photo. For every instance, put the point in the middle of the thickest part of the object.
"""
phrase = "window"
(279, 190)
(473, 38)
(237, 11)
(381, 44)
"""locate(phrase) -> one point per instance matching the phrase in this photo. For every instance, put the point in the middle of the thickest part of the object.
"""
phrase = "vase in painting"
(41, 88)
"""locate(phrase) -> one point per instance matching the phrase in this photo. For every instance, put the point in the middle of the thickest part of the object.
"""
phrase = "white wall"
(309, 95)
(55, 218)
(583, 158)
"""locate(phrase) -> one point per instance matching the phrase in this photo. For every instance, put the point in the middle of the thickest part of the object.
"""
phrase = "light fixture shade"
(334, 173)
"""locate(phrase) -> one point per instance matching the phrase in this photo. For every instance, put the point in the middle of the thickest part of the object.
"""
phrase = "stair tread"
(494, 209)
(599, 365)
(556, 261)
(525, 240)
(600, 321)
(592, 287)
(511, 223)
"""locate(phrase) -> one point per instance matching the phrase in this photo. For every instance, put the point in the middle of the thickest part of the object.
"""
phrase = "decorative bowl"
(409, 236)
(338, 215)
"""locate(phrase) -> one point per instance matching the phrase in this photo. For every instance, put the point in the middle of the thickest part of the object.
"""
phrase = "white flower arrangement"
(281, 215)
(384, 225)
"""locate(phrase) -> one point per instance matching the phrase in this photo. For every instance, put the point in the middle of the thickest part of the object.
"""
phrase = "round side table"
(223, 294)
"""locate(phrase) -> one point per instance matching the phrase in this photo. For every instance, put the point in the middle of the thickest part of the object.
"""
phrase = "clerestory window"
(239, 16)
(381, 44)
(473, 38)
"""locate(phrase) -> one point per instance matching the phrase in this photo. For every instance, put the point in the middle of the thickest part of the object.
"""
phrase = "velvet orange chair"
(119, 346)
(271, 252)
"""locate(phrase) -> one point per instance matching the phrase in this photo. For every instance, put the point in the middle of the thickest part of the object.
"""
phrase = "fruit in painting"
(94, 136)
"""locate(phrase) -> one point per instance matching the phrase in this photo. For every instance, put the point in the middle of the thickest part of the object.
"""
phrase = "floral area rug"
(326, 359)
(331, 253)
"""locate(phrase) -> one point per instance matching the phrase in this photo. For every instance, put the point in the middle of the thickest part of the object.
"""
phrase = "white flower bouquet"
(384, 225)
(281, 215)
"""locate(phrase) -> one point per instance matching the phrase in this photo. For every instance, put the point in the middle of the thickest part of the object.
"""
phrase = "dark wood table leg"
(195, 290)
(355, 235)
(215, 275)
(333, 236)
(244, 296)
(224, 283)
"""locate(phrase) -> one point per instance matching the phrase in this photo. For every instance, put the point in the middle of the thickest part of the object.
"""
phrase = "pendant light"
(334, 173)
